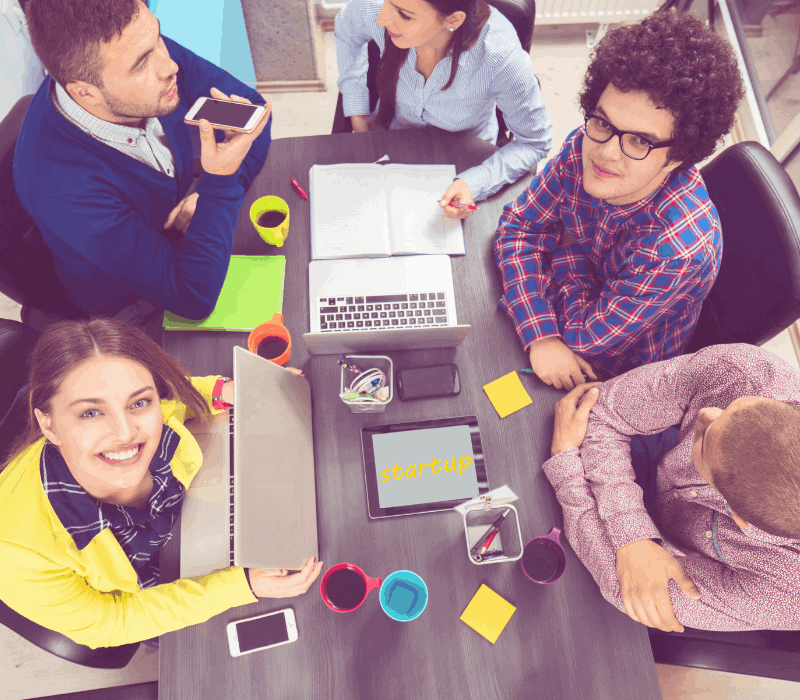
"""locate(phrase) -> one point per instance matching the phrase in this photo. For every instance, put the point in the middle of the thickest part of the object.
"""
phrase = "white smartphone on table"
(262, 632)
(224, 114)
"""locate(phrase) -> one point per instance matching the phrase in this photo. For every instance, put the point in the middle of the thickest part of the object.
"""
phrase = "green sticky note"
(251, 294)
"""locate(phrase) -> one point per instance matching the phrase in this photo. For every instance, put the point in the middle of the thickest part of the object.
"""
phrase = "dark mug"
(543, 558)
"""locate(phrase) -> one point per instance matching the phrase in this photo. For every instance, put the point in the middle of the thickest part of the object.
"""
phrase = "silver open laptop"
(397, 303)
(253, 501)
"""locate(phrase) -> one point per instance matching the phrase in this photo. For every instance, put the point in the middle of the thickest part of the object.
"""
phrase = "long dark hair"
(392, 60)
(65, 345)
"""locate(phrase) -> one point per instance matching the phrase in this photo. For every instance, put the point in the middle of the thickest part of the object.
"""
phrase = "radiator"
(590, 11)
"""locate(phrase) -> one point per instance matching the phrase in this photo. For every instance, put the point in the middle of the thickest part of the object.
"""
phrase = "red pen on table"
(459, 205)
(298, 188)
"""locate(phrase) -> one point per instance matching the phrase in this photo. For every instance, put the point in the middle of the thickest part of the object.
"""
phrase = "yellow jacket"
(92, 595)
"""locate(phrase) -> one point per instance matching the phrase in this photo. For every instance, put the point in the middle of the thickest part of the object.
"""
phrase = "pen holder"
(508, 540)
(365, 362)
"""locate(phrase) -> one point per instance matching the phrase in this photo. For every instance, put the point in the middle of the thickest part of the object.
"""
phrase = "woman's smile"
(123, 457)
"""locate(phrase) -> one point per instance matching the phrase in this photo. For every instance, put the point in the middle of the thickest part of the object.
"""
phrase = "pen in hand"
(458, 205)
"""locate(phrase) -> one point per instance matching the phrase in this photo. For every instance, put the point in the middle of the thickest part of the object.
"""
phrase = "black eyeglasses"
(633, 145)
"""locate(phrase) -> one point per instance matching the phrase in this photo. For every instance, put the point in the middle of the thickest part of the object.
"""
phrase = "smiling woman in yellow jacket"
(97, 482)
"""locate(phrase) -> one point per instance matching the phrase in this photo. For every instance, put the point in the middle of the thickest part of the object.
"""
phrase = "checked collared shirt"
(620, 285)
(149, 145)
(140, 534)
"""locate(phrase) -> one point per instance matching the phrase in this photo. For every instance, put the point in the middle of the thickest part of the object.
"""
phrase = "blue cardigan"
(101, 212)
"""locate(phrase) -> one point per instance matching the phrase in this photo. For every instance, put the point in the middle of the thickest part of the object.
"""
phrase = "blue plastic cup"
(403, 595)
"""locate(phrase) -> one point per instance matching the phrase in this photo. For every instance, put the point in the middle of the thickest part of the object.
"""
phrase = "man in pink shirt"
(714, 541)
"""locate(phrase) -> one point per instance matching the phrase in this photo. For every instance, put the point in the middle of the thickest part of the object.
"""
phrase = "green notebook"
(251, 294)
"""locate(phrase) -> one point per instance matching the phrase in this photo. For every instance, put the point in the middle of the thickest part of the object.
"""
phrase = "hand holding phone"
(270, 583)
(224, 158)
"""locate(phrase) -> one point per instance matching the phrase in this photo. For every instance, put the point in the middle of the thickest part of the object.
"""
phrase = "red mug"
(344, 587)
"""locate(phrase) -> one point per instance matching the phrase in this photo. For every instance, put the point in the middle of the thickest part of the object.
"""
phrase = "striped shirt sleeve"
(516, 92)
(354, 28)
(495, 71)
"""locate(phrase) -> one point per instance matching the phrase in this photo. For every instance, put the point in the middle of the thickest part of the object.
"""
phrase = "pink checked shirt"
(748, 579)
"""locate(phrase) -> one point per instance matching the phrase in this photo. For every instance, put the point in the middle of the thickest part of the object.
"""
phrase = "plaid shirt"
(140, 534)
(621, 285)
(747, 578)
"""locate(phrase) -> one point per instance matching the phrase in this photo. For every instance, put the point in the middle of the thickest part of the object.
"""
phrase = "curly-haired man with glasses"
(608, 255)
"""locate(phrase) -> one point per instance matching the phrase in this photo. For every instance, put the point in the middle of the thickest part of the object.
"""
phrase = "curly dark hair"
(683, 66)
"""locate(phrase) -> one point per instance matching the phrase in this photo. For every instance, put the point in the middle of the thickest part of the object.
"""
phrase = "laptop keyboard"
(382, 311)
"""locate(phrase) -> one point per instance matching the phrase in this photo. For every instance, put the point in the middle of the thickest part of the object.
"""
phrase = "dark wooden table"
(563, 641)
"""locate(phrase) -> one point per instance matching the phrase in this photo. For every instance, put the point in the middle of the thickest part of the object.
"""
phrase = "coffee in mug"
(540, 561)
(345, 589)
(271, 347)
(271, 218)
(271, 340)
(543, 558)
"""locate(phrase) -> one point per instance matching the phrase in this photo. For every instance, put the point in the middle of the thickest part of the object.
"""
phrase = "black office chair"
(27, 273)
(757, 292)
(16, 342)
(521, 14)
(757, 653)
(755, 297)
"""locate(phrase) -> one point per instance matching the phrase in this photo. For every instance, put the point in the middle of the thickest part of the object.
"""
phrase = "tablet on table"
(423, 466)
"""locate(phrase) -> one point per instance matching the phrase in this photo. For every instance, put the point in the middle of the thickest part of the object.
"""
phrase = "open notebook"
(365, 211)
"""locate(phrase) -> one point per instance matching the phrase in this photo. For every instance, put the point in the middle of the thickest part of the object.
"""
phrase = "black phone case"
(401, 391)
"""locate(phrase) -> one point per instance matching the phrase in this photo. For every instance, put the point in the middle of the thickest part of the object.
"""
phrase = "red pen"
(489, 539)
(459, 205)
(298, 188)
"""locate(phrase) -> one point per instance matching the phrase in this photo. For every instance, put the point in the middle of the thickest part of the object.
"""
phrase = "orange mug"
(271, 340)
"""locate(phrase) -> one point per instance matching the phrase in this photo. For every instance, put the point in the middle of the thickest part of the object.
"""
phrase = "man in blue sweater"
(104, 161)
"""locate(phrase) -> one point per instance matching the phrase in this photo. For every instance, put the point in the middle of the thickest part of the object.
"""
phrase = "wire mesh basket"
(367, 362)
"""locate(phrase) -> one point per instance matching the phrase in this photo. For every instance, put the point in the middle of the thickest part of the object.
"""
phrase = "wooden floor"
(559, 58)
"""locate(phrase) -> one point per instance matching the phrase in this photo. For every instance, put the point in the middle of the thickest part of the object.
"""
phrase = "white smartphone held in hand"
(224, 114)
(262, 632)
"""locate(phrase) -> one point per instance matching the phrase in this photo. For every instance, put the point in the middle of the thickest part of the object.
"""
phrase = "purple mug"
(543, 558)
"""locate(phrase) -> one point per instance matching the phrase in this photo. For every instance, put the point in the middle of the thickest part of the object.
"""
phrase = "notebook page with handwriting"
(349, 214)
(417, 223)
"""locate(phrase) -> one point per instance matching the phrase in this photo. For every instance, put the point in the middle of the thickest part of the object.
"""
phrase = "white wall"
(21, 72)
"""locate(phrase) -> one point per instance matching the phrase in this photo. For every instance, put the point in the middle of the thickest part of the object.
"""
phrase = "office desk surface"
(563, 641)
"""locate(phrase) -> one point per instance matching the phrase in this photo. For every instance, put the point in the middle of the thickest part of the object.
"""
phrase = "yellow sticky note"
(507, 394)
(488, 613)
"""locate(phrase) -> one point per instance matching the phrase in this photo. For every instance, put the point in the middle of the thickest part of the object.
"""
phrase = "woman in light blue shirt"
(446, 63)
